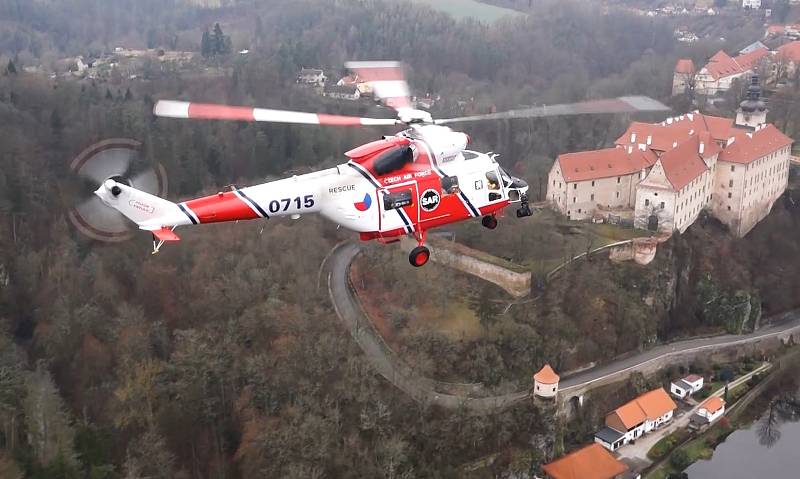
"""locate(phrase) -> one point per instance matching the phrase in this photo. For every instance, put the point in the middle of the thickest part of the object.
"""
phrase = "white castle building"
(666, 173)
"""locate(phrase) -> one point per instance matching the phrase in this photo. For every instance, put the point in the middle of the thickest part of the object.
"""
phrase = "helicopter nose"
(518, 183)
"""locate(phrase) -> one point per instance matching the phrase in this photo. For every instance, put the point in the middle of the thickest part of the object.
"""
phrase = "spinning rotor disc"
(118, 159)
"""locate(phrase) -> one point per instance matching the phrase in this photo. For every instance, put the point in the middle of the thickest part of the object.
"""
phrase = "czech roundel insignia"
(364, 205)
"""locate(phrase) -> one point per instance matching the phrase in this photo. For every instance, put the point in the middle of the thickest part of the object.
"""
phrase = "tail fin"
(148, 211)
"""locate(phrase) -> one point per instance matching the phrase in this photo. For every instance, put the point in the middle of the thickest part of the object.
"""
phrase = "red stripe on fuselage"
(337, 120)
(220, 112)
(221, 207)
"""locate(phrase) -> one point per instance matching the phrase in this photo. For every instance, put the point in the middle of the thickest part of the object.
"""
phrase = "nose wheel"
(524, 210)
(489, 221)
(419, 256)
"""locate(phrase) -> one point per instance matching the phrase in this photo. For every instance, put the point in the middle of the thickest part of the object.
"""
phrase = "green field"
(461, 9)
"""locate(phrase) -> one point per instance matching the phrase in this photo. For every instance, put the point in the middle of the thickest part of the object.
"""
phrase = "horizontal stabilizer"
(165, 234)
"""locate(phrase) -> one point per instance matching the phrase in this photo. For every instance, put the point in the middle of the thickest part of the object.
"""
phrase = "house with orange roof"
(752, 173)
(709, 411)
(579, 182)
(683, 76)
(635, 419)
(679, 186)
(590, 462)
(718, 74)
(787, 59)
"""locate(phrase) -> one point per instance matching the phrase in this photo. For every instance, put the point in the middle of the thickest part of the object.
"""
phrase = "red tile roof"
(590, 462)
(722, 65)
(605, 163)
(790, 51)
(773, 29)
(650, 405)
(684, 65)
(546, 375)
(750, 146)
(713, 404)
(664, 136)
(683, 163)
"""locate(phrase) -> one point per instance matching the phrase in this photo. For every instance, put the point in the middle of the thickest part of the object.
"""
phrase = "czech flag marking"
(364, 205)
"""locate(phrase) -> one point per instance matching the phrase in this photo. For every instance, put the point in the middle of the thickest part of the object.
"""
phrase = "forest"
(220, 357)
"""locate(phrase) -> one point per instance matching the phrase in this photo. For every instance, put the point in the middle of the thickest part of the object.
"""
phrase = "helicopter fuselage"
(388, 188)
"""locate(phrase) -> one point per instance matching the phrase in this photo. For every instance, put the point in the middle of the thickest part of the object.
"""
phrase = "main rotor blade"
(387, 80)
(625, 104)
(205, 111)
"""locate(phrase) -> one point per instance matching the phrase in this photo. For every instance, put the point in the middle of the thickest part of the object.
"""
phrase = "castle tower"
(545, 382)
(752, 110)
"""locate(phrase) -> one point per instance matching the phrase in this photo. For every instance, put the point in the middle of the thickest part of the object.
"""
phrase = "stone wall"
(517, 284)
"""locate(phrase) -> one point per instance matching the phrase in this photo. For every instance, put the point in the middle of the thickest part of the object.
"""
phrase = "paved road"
(785, 323)
(382, 358)
(422, 389)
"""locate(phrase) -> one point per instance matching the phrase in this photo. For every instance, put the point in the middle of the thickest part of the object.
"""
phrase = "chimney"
(674, 144)
(681, 117)
(702, 147)
(633, 137)
(669, 121)
(649, 140)
(730, 141)
(749, 134)
(691, 116)
(691, 132)
(630, 150)
(642, 146)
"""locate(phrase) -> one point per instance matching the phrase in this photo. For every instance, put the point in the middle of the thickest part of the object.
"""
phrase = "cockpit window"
(394, 159)
(469, 155)
(506, 178)
(494, 183)
(450, 185)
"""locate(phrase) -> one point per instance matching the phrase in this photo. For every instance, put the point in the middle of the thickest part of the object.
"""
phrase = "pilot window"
(494, 182)
(450, 185)
(397, 199)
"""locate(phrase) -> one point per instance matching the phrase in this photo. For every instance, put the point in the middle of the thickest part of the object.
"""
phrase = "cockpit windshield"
(506, 178)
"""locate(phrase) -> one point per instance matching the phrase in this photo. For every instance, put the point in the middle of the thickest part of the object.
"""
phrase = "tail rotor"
(119, 160)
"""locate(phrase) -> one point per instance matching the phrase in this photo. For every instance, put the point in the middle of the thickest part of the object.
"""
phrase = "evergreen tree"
(109, 96)
(128, 95)
(11, 69)
(205, 45)
(218, 40)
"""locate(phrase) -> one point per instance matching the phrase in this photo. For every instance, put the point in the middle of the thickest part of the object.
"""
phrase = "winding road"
(425, 390)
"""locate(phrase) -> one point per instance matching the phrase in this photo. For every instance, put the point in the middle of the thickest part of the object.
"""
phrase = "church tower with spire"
(752, 110)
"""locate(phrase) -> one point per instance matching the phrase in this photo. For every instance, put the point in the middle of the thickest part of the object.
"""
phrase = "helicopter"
(405, 184)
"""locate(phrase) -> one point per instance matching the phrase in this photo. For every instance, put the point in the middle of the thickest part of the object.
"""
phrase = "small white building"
(343, 92)
(751, 4)
(311, 76)
(687, 386)
(710, 410)
(545, 382)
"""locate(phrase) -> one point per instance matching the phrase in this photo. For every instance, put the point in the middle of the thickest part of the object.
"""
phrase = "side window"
(450, 185)
(397, 199)
(494, 182)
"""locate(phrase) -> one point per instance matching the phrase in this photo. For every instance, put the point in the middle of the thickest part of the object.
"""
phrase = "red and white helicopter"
(420, 178)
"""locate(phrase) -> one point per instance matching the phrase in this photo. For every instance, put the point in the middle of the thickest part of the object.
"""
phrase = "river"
(769, 448)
